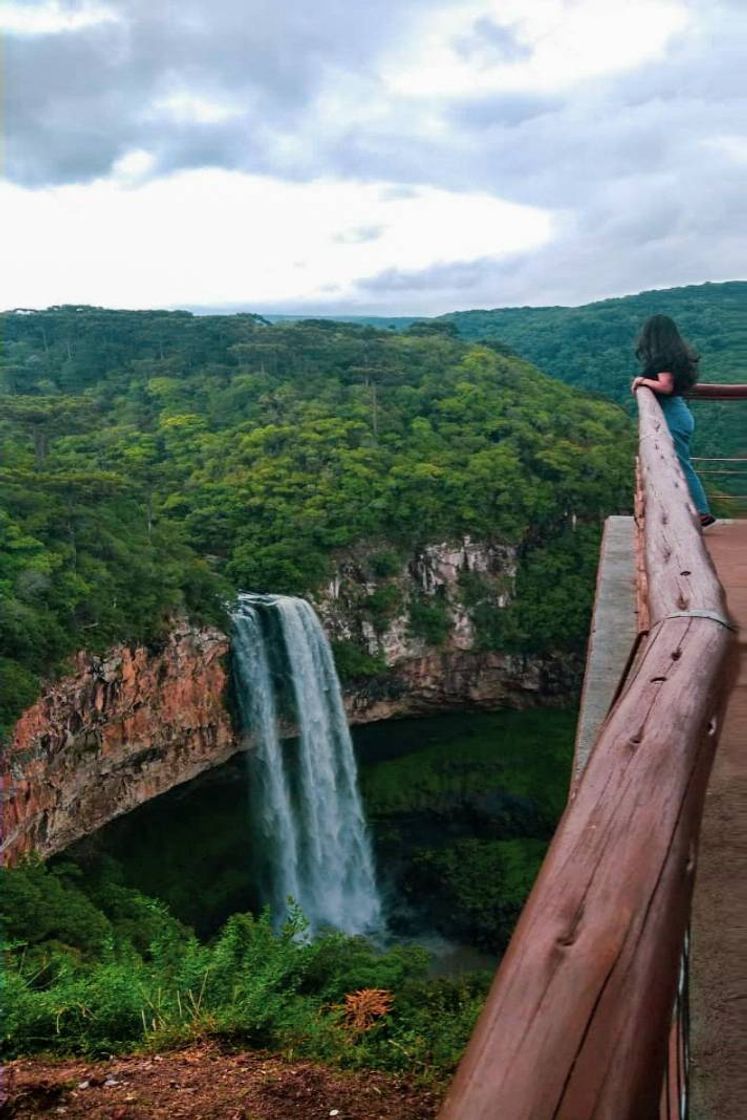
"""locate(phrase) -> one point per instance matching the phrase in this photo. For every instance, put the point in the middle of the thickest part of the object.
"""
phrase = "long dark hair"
(661, 347)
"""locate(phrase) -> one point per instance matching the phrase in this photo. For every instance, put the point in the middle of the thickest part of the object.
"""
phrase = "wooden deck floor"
(719, 930)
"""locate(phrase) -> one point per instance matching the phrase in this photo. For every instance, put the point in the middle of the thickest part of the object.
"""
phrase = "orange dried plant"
(364, 1007)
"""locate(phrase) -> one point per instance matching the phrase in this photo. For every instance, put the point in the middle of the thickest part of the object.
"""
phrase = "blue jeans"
(681, 424)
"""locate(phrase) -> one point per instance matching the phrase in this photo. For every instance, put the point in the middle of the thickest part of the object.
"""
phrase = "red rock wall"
(120, 730)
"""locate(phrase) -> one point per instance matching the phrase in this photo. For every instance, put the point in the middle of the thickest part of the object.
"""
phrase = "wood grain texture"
(641, 583)
(577, 1022)
(679, 572)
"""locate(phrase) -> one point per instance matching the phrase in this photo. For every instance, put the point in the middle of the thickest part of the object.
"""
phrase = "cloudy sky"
(385, 156)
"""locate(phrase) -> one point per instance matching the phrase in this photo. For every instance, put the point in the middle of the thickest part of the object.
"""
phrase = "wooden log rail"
(710, 391)
(577, 1022)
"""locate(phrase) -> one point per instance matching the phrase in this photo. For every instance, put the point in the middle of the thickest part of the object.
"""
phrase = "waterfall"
(310, 831)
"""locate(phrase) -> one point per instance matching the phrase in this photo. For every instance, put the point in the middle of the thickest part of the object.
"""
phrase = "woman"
(670, 368)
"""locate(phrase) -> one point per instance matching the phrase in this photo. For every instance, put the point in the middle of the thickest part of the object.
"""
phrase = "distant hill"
(591, 347)
(381, 322)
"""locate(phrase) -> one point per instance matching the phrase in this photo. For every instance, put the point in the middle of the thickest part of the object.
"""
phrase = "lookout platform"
(718, 1000)
(718, 991)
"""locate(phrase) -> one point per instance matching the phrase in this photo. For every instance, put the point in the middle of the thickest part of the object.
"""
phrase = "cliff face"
(123, 729)
(420, 616)
(396, 606)
(116, 732)
(458, 680)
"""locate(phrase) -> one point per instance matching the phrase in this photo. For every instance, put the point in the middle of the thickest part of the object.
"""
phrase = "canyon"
(123, 728)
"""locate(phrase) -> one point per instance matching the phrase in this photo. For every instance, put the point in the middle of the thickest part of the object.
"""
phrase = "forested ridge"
(591, 347)
(153, 462)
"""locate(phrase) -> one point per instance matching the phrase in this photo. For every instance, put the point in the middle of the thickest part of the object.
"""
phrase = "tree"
(46, 418)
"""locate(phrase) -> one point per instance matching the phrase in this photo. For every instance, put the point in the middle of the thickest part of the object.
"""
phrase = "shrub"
(429, 619)
(353, 663)
(382, 605)
(337, 998)
(385, 564)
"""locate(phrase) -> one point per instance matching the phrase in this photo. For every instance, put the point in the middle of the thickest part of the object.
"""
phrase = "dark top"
(684, 377)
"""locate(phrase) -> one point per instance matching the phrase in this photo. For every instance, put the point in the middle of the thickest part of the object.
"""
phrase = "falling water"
(307, 810)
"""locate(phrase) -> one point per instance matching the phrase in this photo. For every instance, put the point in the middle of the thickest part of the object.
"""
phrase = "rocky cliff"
(116, 732)
(458, 680)
(398, 607)
(122, 729)
(424, 619)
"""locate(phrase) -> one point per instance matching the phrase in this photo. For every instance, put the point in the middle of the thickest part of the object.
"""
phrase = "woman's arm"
(664, 385)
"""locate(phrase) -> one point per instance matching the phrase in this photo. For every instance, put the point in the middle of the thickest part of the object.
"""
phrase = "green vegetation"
(96, 968)
(429, 619)
(463, 818)
(382, 605)
(354, 663)
(100, 951)
(592, 347)
(153, 462)
(450, 759)
(478, 887)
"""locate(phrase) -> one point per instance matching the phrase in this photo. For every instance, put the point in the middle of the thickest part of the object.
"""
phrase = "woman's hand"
(637, 381)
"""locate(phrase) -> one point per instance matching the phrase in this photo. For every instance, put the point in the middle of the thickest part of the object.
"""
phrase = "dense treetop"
(592, 347)
(155, 461)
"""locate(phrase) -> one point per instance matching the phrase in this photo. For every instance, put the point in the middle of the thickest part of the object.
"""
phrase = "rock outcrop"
(458, 680)
(116, 732)
(378, 599)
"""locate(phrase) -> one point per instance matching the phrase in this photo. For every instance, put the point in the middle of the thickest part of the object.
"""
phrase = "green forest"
(155, 462)
(592, 347)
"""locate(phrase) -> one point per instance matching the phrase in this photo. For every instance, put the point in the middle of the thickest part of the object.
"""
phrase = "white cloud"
(185, 108)
(133, 166)
(562, 43)
(53, 17)
(617, 126)
(214, 237)
(734, 147)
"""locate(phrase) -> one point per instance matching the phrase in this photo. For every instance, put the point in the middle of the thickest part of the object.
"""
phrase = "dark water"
(439, 793)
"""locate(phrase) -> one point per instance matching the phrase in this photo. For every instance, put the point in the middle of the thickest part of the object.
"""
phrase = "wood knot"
(569, 937)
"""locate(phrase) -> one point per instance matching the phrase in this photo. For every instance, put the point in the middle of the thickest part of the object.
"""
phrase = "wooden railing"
(710, 391)
(577, 1022)
(729, 474)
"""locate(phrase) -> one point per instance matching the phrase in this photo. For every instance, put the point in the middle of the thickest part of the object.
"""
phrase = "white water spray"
(307, 811)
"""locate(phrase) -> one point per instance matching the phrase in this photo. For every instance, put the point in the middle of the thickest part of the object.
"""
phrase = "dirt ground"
(204, 1083)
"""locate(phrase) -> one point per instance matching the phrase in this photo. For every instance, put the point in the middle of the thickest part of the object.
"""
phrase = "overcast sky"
(383, 156)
